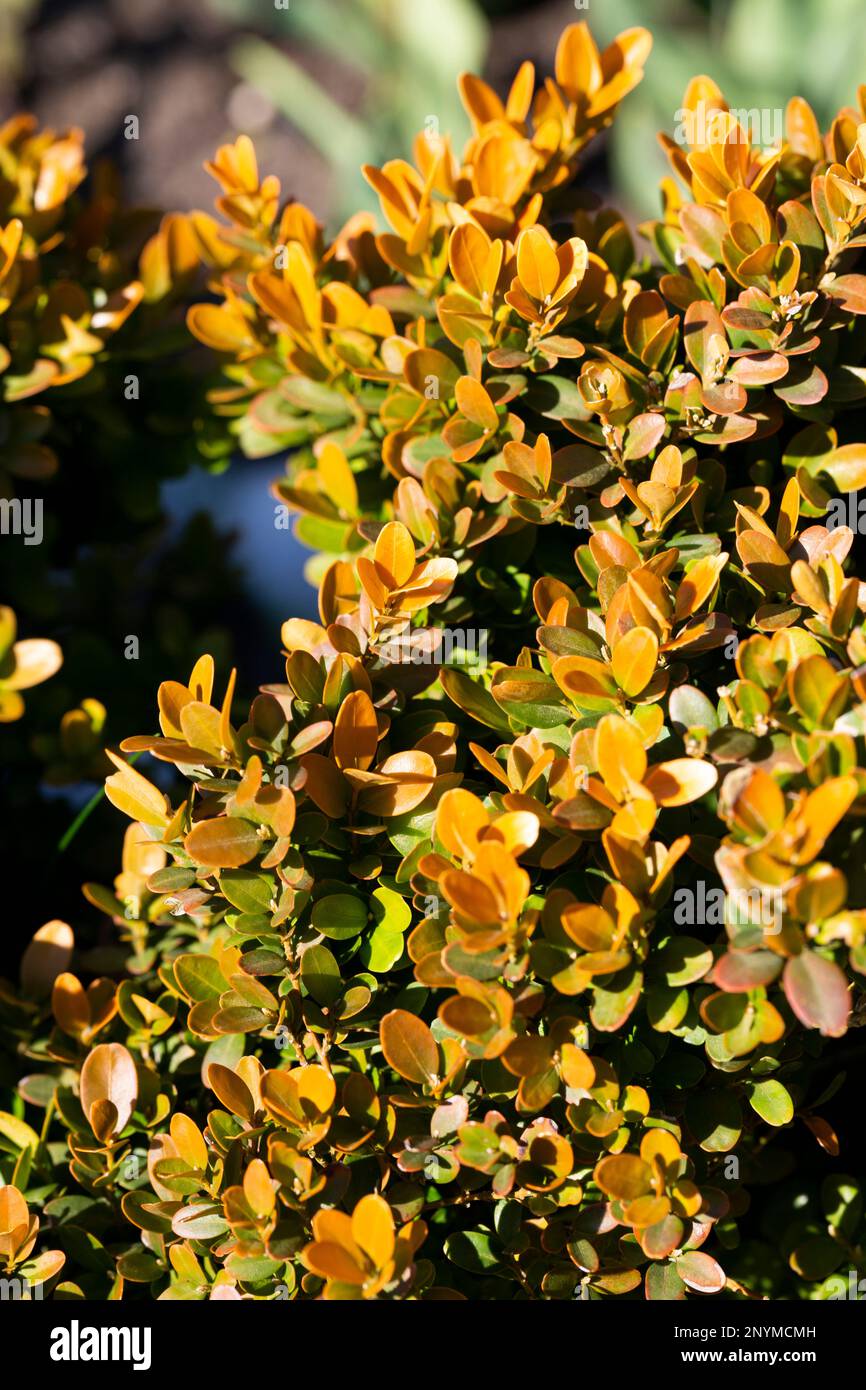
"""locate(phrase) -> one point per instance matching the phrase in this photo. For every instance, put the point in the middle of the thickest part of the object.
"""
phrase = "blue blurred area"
(271, 560)
(270, 563)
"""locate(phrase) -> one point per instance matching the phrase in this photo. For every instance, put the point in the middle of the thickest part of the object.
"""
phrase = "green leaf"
(340, 916)
(557, 398)
(817, 1257)
(614, 1001)
(199, 977)
(201, 1221)
(691, 709)
(314, 396)
(18, 1132)
(771, 1101)
(476, 1251)
(715, 1120)
(663, 1284)
(842, 1201)
(381, 951)
(529, 696)
(321, 974)
(247, 891)
(390, 910)
(666, 1007)
(683, 960)
(473, 699)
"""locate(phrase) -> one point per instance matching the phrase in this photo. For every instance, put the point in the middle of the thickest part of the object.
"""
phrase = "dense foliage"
(440, 976)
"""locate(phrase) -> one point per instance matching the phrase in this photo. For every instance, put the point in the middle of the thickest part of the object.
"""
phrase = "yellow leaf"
(316, 1089)
(698, 584)
(171, 698)
(411, 776)
(578, 66)
(189, 1141)
(789, 512)
(231, 1091)
(332, 1261)
(338, 478)
(474, 402)
(109, 1075)
(14, 1213)
(221, 327)
(660, 1145)
(36, 660)
(200, 725)
(537, 265)
(634, 660)
(226, 733)
(624, 1176)
(356, 732)
(201, 679)
(578, 1070)
(759, 808)
(394, 555)
(619, 755)
(70, 1005)
(766, 561)
(680, 781)
(589, 926)
(460, 817)
(480, 100)
(373, 1229)
(468, 251)
(259, 1188)
(133, 794)
(822, 811)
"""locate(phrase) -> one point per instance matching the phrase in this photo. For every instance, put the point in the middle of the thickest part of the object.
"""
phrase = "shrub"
(398, 1000)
